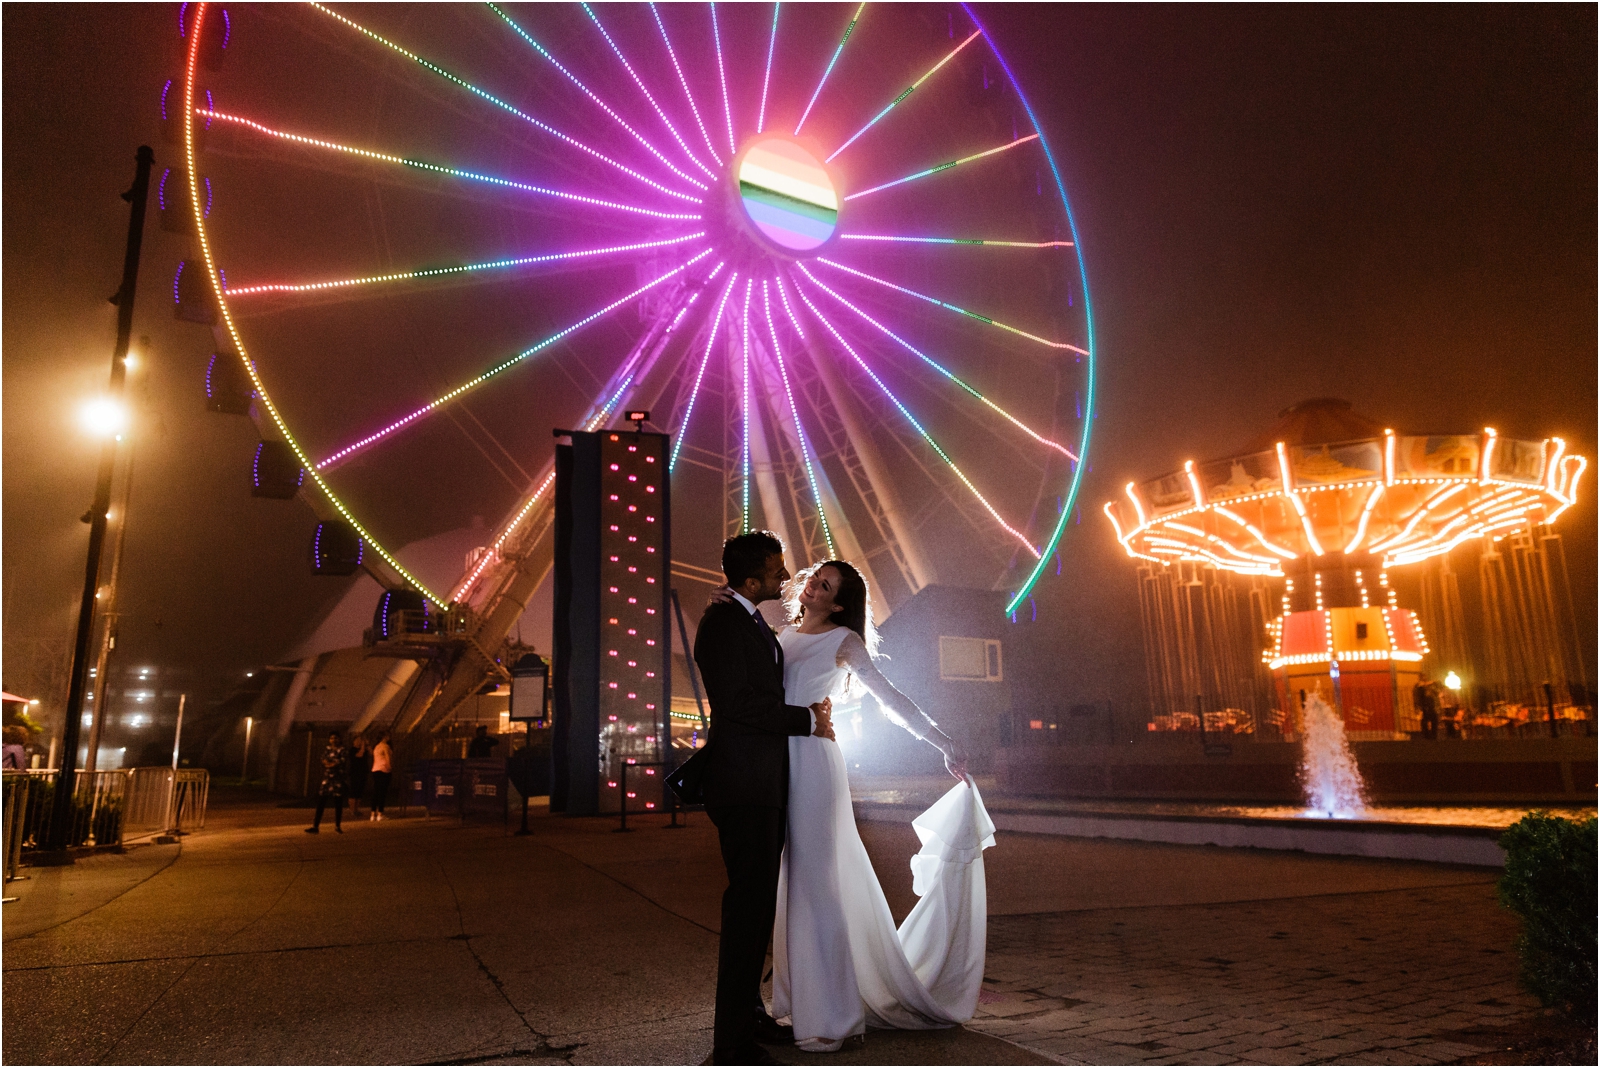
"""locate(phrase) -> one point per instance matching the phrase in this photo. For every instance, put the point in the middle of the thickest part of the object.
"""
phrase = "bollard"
(622, 783)
(622, 797)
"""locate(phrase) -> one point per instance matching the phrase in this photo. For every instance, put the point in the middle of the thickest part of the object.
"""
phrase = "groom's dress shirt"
(772, 639)
(749, 606)
(751, 722)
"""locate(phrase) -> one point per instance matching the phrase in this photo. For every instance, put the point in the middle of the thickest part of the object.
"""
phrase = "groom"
(746, 783)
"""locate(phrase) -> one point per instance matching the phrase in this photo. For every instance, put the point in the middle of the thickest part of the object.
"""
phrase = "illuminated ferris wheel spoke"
(946, 372)
(909, 90)
(262, 395)
(633, 369)
(435, 168)
(986, 153)
(848, 30)
(682, 429)
(955, 241)
(918, 427)
(662, 115)
(524, 116)
(802, 443)
(603, 106)
(504, 365)
(599, 412)
(948, 306)
(722, 77)
(744, 406)
(442, 272)
(766, 78)
(687, 95)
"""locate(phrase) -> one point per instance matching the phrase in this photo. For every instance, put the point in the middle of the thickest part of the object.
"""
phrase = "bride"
(839, 965)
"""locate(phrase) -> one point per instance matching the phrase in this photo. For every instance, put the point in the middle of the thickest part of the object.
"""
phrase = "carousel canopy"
(1325, 480)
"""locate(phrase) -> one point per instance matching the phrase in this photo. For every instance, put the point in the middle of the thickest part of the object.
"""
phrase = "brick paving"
(1388, 977)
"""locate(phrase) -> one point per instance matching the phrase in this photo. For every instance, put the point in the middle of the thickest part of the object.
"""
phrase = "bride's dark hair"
(852, 600)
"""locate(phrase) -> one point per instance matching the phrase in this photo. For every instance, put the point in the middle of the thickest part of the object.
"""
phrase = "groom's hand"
(823, 713)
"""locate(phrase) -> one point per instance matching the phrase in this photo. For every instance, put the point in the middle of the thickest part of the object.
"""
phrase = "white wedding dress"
(839, 965)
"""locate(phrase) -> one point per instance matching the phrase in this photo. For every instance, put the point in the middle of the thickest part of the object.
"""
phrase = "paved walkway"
(416, 941)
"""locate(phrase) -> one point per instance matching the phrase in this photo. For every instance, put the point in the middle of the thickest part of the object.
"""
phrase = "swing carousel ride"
(1330, 503)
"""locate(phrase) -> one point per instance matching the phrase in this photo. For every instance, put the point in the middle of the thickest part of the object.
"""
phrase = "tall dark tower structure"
(613, 669)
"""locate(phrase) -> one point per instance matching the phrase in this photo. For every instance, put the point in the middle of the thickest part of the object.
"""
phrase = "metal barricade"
(152, 790)
(95, 815)
(19, 787)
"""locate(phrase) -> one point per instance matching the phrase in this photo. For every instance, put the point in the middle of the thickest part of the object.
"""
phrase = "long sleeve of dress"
(901, 710)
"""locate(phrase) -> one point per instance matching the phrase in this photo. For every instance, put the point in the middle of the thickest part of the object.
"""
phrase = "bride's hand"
(722, 595)
(955, 762)
(822, 711)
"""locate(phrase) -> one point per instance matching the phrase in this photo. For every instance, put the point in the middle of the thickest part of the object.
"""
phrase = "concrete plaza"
(430, 941)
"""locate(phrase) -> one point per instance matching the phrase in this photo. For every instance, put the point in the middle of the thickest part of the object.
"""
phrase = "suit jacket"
(748, 747)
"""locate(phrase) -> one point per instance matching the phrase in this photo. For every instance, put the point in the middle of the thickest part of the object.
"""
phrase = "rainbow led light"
(788, 195)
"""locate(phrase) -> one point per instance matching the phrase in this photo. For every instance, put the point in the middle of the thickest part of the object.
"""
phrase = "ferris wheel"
(827, 249)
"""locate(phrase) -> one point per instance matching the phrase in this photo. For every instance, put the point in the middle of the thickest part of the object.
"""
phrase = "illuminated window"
(969, 659)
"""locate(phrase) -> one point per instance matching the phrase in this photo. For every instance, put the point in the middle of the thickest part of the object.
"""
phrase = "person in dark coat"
(335, 782)
(1425, 696)
(481, 745)
(746, 784)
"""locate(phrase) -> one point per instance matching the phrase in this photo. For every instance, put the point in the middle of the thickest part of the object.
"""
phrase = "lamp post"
(55, 850)
(106, 607)
(244, 765)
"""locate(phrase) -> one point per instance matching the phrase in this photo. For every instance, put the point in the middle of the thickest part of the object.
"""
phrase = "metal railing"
(18, 799)
(107, 806)
(95, 816)
(149, 793)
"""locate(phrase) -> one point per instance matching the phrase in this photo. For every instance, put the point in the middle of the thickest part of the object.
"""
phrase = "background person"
(382, 771)
(335, 781)
(481, 745)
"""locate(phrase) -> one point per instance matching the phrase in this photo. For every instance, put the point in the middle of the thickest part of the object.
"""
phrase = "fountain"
(1327, 769)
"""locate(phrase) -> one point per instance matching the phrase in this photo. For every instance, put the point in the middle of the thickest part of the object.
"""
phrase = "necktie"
(766, 632)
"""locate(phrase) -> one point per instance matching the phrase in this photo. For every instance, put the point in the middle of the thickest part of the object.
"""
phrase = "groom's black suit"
(746, 792)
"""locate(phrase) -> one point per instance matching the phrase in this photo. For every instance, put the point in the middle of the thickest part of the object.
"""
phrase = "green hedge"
(1549, 881)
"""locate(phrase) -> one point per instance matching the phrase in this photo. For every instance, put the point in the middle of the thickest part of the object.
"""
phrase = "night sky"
(1395, 206)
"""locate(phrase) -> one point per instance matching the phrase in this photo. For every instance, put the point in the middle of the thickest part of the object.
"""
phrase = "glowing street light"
(1453, 681)
(103, 417)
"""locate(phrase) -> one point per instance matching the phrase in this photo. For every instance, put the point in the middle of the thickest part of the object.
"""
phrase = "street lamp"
(103, 417)
(55, 844)
(1453, 681)
(249, 722)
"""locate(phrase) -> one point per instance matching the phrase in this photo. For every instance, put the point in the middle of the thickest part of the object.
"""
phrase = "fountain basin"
(1512, 771)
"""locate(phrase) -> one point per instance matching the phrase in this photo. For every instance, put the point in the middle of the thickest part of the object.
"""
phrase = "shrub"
(108, 822)
(1549, 882)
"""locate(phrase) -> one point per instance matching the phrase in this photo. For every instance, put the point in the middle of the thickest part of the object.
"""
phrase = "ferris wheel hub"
(787, 197)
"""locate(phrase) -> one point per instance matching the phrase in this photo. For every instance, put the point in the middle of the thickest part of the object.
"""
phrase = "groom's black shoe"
(771, 1031)
(750, 1055)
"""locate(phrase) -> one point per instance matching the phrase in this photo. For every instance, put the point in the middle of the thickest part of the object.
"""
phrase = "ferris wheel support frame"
(522, 557)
